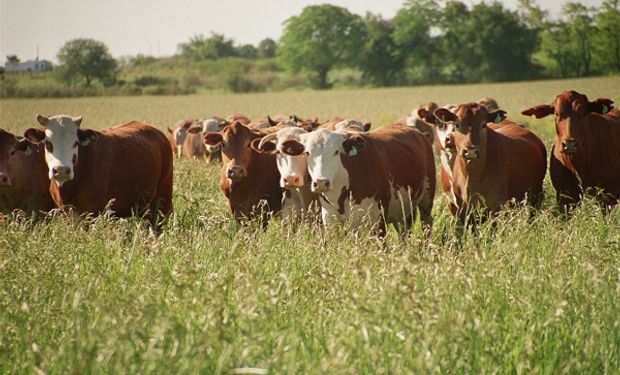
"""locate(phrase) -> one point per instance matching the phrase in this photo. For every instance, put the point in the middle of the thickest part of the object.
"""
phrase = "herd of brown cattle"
(339, 168)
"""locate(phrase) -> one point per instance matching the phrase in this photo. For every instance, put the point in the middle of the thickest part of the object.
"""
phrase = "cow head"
(489, 103)
(444, 130)
(324, 150)
(571, 111)
(210, 125)
(62, 138)
(470, 121)
(179, 133)
(237, 154)
(292, 168)
(353, 125)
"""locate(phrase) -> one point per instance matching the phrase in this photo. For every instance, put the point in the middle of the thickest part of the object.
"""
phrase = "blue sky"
(155, 27)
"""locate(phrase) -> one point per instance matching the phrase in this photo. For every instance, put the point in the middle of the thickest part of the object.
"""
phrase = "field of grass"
(208, 296)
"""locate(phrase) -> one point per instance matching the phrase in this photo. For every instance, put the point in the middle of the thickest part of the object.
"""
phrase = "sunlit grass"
(103, 296)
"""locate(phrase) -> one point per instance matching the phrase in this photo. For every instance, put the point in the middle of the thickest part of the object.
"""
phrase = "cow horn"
(271, 122)
(43, 120)
(268, 138)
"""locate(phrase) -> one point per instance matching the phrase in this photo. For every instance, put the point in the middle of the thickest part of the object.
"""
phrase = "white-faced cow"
(196, 134)
(493, 166)
(586, 153)
(23, 176)
(385, 175)
(127, 168)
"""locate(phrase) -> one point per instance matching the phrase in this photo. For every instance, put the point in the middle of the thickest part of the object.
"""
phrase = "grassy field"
(207, 296)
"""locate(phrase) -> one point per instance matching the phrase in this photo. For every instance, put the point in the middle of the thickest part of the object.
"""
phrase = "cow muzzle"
(471, 153)
(320, 185)
(236, 172)
(569, 146)
(292, 182)
(61, 173)
(5, 181)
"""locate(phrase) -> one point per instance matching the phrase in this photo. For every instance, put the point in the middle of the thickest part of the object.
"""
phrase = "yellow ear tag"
(353, 151)
(605, 109)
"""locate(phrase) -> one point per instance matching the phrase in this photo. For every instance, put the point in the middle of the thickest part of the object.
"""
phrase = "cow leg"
(425, 206)
(568, 192)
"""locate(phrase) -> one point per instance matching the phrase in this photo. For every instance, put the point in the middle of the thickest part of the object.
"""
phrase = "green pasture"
(207, 296)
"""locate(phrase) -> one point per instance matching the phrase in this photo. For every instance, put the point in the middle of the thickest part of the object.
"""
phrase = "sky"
(156, 27)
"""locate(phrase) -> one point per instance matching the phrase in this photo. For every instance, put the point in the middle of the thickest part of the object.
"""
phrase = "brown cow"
(177, 135)
(247, 177)
(238, 117)
(415, 121)
(586, 153)
(23, 176)
(385, 175)
(493, 166)
(127, 168)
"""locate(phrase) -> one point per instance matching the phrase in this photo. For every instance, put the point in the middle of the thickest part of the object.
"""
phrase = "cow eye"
(76, 144)
(307, 153)
(48, 146)
(336, 153)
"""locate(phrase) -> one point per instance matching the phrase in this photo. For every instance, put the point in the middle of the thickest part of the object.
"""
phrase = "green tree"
(412, 33)
(267, 48)
(382, 62)
(321, 38)
(87, 60)
(247, 51)
(215, 47)
(581, 24)
(608, 37)
(12, 59)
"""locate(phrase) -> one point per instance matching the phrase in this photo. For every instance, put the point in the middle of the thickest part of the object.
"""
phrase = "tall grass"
(208, 296)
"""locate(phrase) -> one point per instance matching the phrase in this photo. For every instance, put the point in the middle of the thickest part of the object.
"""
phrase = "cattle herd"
(336, 170)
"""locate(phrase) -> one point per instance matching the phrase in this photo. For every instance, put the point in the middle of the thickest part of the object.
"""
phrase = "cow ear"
(170, 130)
(354, 145)
(187, 124)
(539, 111)
(271, 121)
(444, 115)
(293, 147)
(43, 120)
(77, 121)
(601, 105)
(223, 124)
(25, 146)
(426, 116)
(266, 148)
(497, 116)
(87, 137)
(35, 136)
(212, 138)
(367, 126)
(195, 129)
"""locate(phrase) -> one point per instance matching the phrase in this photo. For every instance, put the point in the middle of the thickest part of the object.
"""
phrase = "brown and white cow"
(385, 175)
(414, 120)
(586, 153)
(493, 166)
(177, 135)
(248, 179)
(23, 176)
(196, 138)
(127, 168)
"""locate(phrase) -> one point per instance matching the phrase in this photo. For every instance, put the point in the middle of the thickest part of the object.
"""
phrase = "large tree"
(321, 38)
(267, 48)
(87, 60)
(215, 47)
(381, 61)
(608, 40)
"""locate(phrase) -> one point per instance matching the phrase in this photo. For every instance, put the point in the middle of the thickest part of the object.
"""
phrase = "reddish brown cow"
(247, 177)
(127, 168)
(493, 166)
(23, 176)
(586, 153)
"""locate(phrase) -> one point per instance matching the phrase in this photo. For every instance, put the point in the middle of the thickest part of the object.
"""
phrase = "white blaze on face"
(208, 126)
(323, 148)
(292, 169)
(61, 147)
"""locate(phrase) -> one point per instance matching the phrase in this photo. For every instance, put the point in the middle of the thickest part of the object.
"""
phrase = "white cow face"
(211, 125)
(324, 149)
(62, 138)
(292, 168)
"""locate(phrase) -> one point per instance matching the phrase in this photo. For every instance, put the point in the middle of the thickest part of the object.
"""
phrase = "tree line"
(425, 42)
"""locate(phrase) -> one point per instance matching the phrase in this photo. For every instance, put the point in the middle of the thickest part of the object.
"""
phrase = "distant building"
(27, 66)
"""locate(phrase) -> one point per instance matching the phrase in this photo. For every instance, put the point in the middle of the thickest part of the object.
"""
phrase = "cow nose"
(471, 153)
(320, 185)
(61, 172)
(236, 172)
(569, 146)
(5, 181)
(292, 181)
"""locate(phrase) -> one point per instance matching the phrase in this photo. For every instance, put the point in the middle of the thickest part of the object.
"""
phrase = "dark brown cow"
(386, 175)
(586, 153)
(23, 176)
(247, 178)
(127, 168)
(493, 166)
